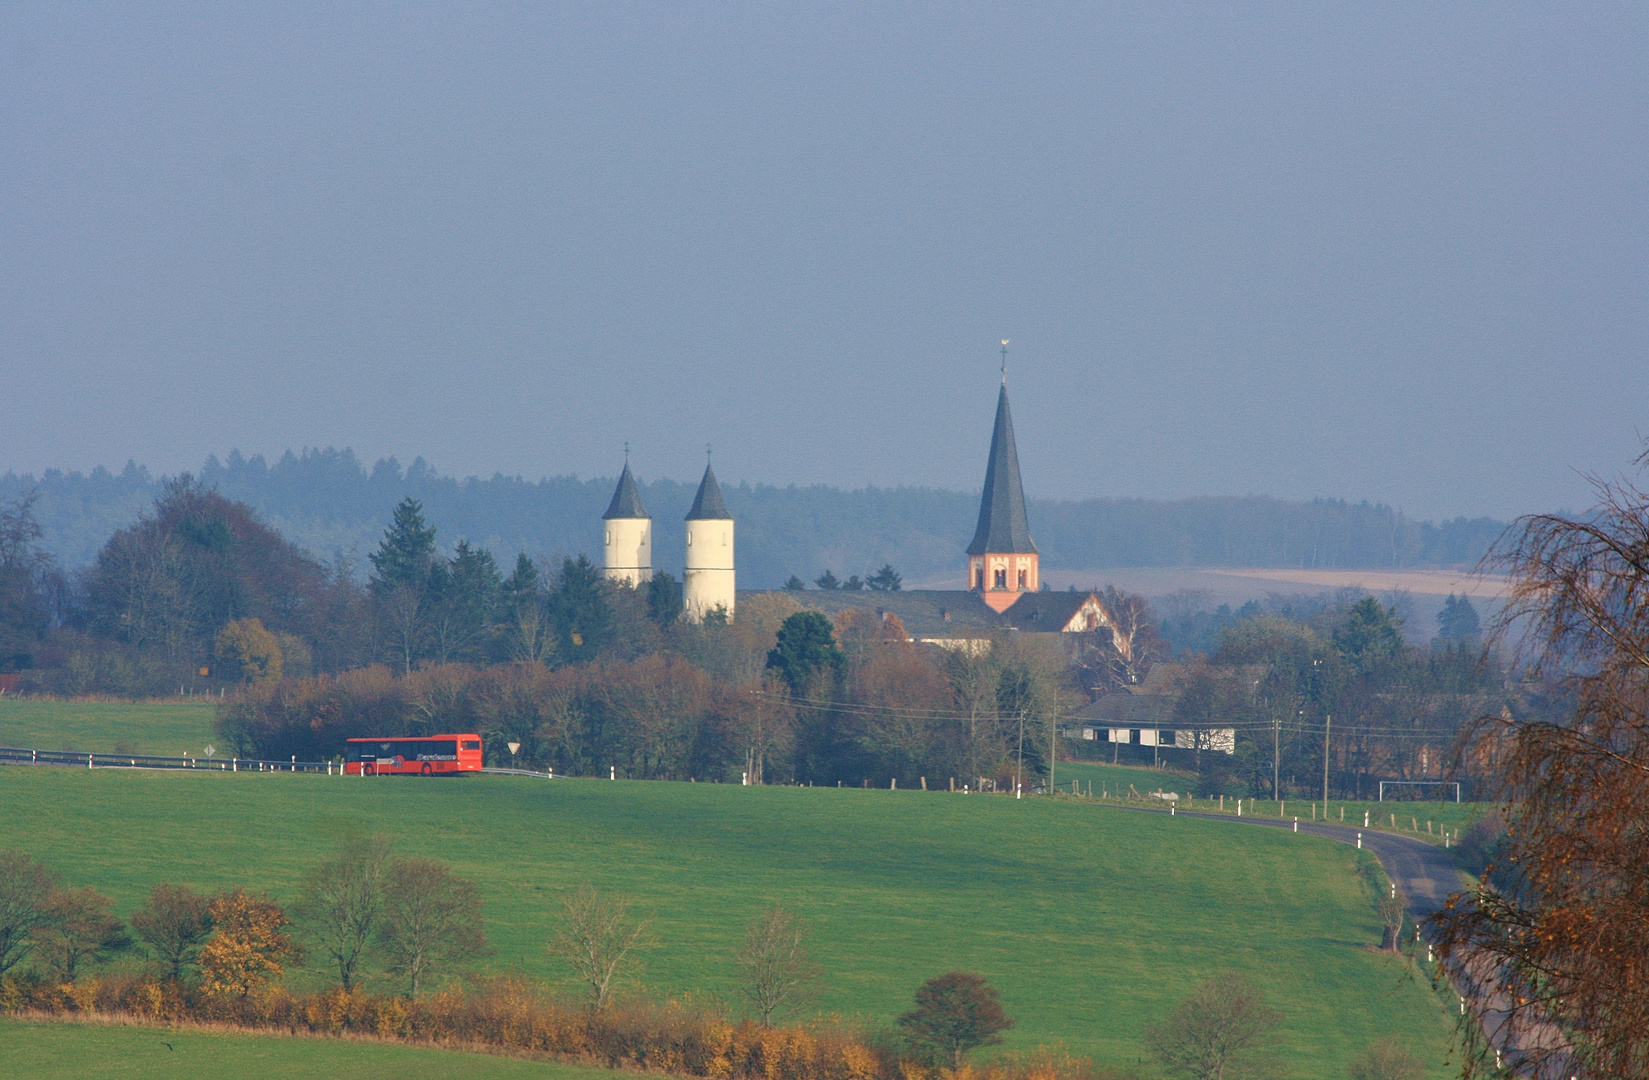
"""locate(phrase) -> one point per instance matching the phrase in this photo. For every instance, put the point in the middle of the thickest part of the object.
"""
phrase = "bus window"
(472, 744)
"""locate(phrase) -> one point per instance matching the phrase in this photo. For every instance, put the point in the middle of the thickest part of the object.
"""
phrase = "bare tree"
(773, 960)
(595, 936)
(341, 902)
(1221, 1031)
(1392, 911)
(1388, 1060)
(174, 922)
(1559, 939)
(431, 920)
(26, 887)
(81, 931)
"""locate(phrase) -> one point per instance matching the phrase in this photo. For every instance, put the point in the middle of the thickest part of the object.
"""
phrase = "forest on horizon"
(330, 503)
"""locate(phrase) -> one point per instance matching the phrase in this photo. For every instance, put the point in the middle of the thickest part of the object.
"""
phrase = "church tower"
(628, 547)
(708, 582)
(1002, 560)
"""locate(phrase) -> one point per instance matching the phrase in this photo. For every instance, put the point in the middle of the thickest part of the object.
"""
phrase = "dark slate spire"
(1002, 524)
(707, 505)
(626, 499)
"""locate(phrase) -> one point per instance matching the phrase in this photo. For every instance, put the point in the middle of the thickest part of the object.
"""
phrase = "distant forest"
(328, 502)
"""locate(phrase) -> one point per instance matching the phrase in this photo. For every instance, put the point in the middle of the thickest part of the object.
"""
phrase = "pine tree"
(407, 551)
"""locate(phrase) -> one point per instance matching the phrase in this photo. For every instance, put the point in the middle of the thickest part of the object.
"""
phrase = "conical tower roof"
(626, 499)
(707, 504)
(1003, 527)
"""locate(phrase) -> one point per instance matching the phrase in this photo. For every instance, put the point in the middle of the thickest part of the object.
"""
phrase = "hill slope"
(1091, 921)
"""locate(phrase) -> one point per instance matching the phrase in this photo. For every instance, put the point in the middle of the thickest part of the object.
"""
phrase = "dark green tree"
(955, 1012)
(795, 584)
(1370, 634)
(523, 630)
(1458, 620)
(853, 584)
(468, 602)
(827, 581)
(664, 598)
(579, 610)
(806, 648)
(404, 557)
(25, 613)
(887, 579)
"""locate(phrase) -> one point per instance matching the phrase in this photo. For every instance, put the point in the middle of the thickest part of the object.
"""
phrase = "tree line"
(330, 502)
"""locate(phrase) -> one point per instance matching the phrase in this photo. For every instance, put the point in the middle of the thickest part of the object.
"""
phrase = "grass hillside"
(170, 729)
(67, 1051)
(1091, 920)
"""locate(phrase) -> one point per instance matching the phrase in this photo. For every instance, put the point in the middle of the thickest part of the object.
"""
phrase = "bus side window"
(472, 744)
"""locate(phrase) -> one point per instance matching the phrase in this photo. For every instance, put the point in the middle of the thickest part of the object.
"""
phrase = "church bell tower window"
(1001, 579)
(1021, 579)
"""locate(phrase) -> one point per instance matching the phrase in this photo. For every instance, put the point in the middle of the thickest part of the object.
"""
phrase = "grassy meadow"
(1091, 920)
(170, 729)
(74, 1051)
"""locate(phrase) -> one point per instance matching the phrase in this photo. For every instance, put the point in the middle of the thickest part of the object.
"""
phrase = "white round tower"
(628, 544)
(709, 581)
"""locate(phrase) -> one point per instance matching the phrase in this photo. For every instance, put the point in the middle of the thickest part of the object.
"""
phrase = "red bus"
(435, 755)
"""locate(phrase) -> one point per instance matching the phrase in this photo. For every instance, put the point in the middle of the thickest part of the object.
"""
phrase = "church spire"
(1003, 526)
(1002, 560)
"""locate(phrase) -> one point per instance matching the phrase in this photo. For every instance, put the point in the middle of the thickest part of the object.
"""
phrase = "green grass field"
(1092, 920)
(1411, 816)
(71, 1051)
(171, 729)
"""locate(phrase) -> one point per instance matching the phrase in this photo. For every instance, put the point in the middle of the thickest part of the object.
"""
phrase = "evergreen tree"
(795, 584)
(524, 629)
(887, 579)
(579, 610)
(806, 647)
(1458, 620)
(664, 598)
(407, 551)
(1371, 633)
(827, 581)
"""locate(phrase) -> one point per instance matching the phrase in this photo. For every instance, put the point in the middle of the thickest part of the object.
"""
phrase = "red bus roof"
(417, 738)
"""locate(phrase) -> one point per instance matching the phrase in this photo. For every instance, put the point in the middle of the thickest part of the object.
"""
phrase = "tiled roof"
(1002, 524)
(626, 499)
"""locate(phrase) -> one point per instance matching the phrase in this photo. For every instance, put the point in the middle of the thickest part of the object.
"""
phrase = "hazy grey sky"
(1384, 251)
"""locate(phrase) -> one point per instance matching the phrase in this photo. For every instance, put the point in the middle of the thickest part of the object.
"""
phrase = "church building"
(1004, 583)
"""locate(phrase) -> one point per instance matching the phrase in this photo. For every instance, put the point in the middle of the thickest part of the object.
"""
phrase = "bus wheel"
(368, 770)
(426, 770)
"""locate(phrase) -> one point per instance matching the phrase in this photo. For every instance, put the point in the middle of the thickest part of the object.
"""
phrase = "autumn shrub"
(683, 1038)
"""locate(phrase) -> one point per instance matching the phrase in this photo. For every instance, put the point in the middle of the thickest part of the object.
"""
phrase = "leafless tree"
(1560, 939)
(431, 920)
(773, 960)
(26, 887)
(1222, 1031)
(341, 903)
(174, 922)
(80, 932)
(1388, 1060)
(596, 934)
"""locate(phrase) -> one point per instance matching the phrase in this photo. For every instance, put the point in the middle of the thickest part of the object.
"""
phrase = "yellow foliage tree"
(248, 946)
(245, 646)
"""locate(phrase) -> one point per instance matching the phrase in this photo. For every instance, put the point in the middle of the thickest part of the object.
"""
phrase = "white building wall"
(709, 580)
(628, 550)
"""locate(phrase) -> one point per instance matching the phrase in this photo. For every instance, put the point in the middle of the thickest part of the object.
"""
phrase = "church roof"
(626, 499)
(1003, 527)
(707, 504)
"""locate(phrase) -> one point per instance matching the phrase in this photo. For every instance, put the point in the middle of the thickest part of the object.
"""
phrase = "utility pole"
(1328, 726)
(1276, 749)
(1020, 782)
